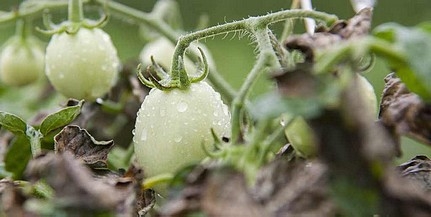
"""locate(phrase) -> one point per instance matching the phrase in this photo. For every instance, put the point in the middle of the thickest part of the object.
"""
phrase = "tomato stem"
(23, 29)
(156, 180)
(265, 60)
(357, 48)
(34, 137)
(75, 11)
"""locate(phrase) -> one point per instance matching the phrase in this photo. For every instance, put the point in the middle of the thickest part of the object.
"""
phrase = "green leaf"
(17, 156)
(3, 172)
(12, 123)
(60, 118)
(415, 45)
(273, 105)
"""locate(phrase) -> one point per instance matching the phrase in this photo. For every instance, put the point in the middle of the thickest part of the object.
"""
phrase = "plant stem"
(155, 180)
(310, 24)
(34, 137)
(184, 41)
(31, 10)
(23, 29)
(266, 59)
(75, 11)
(357, 48)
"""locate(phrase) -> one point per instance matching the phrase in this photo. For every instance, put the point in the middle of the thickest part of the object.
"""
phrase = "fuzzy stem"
(265, 20)
(75, 11)
(265, 60)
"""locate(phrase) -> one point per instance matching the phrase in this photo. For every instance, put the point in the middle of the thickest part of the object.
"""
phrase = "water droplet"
(144, 135)
(133, 132)
(178, 139)
(182, 107)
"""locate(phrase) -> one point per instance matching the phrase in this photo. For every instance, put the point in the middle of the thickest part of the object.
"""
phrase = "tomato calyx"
(170, 81)
(74, 22)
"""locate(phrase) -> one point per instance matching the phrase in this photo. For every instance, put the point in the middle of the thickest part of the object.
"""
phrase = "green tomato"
(301, 137)
(172, 126)
(366, 90)
(21, 61)
(83, 65)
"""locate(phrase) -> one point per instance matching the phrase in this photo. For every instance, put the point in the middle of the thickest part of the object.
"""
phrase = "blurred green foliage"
(234, 56)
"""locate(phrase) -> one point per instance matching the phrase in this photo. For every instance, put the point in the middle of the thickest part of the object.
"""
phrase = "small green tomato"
(172, 126)
(21, 61)
(83, 65)
(366, 90)
(301, 137)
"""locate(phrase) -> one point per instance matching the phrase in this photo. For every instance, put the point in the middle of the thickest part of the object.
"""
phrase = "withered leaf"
(404, 112)
(11, 198)
(299, 189)
(418, 170)
(220, 192)
(77, 191)
(83, 146)
(357, 26)
(294, 189)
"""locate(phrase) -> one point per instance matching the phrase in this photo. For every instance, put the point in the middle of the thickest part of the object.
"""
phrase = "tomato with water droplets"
(172, 126)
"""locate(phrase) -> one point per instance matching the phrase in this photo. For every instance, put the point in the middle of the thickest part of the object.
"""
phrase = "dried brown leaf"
(282, 189)
(73, 183)
(12, 199)
(83, 146)
(404, 112)
(294, 189)
(418, 170)
(357, 26)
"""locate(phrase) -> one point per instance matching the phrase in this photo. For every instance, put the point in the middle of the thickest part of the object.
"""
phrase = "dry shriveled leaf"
(80, 192)
(282, 189)
(357, 26)
(83, 146)
(403, 112)
(73, 183)
(12, 199)
(418, 170)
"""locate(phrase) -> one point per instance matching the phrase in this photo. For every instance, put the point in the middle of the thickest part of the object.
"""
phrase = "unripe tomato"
(83, 65)
(21, 61)
(366, 90)
(172, 126)
(301, 137)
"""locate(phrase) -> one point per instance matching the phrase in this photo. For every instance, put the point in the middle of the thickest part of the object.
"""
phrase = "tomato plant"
(167, 133)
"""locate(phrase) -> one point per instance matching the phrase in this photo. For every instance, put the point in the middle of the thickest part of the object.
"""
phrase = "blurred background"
(234, 57)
